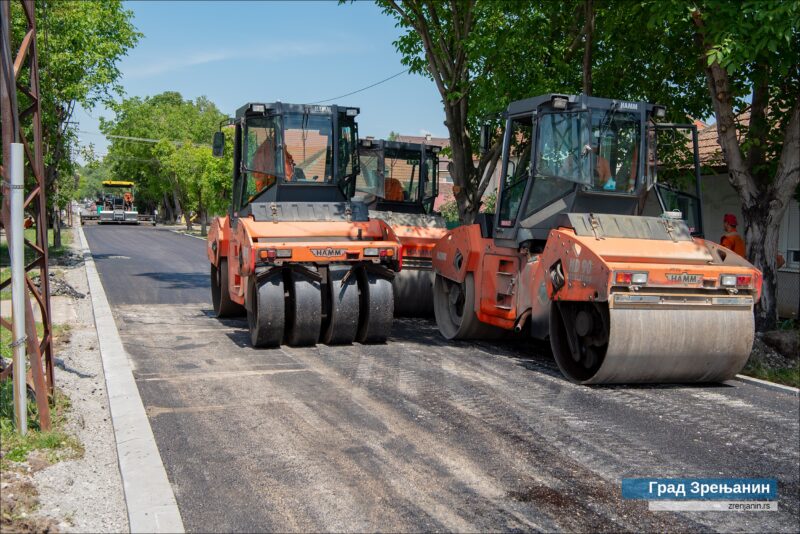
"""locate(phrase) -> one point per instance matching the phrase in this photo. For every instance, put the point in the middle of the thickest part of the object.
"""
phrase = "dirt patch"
(785, 342)
(19, 499)
(768, 364)
(66, 473)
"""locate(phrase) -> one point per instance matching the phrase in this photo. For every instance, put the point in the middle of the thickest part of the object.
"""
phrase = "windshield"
(308, 148)
(369, 180)
(615, 151)
(562, 147)
(402, 175)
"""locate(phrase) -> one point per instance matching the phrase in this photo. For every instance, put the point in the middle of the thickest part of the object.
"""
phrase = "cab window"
(262, 159)
(517, 170)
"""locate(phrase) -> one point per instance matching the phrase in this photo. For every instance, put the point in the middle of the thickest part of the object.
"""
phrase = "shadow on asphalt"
(179, 280)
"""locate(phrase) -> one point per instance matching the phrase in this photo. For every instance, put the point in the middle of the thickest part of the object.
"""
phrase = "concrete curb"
(148, 493)
(187, 235)
(768, 385)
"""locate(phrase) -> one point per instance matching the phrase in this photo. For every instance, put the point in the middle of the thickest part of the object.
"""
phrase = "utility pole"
(18, 295)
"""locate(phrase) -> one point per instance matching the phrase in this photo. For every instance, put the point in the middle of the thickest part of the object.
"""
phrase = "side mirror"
(486, 135)
(219, 144)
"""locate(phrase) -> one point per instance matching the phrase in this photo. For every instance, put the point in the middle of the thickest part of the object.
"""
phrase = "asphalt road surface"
(417, 434)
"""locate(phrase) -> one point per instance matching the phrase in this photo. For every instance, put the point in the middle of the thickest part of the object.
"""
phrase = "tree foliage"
(482, 55)
(696, 58)
(749, 52)
(80, 45)
(162, 143)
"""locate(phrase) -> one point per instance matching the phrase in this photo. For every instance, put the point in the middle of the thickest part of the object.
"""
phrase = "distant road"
(418, 434)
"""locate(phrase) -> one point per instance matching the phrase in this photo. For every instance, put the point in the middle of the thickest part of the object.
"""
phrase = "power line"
(140, 139)
(363, 88)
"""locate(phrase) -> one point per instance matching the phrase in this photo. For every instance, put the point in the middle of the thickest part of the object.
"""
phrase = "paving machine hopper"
(570, 255)
(399, 182)
(294, 253)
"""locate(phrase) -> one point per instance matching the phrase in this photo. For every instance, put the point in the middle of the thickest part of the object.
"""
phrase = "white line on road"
(148, 494)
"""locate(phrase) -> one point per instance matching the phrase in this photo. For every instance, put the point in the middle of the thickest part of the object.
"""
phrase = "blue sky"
(299, 52)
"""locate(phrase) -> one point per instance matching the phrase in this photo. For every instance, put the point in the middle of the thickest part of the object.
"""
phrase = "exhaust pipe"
(521, 321)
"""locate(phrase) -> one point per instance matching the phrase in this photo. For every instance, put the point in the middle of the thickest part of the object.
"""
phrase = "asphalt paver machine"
(569, 255)
(399, 182)
(295, 253)
(116, 203)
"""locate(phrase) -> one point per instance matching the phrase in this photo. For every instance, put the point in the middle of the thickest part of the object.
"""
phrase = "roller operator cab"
(295, 253)
(571, 255)
(399, 183)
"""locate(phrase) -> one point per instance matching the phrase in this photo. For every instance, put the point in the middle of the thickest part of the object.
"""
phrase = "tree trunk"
(588, 33)
(56, 226)
(168, 213)
(177, 204)
(201, 211)
(761, 236)
(763, 202)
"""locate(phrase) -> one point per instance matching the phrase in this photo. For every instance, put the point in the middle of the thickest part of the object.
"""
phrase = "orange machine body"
(255, 244)
(513, 286)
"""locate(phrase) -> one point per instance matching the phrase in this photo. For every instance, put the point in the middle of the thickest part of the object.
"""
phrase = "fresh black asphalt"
(417, 434)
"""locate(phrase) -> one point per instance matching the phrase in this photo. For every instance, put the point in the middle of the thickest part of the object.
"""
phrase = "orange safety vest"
(733, 241)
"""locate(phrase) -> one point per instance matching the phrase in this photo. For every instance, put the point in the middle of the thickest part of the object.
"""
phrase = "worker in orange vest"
(731, 238)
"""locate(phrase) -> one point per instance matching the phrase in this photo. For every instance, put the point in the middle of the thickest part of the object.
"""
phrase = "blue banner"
(694, 489)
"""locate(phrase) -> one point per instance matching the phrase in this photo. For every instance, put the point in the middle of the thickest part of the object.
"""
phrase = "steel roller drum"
(676, 345)
(413, 292)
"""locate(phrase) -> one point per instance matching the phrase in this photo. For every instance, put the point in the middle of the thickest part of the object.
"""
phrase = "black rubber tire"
(220, 296)
(304, 310)
(267, 312)
(376, 308)
(341, 325)
(455, 312)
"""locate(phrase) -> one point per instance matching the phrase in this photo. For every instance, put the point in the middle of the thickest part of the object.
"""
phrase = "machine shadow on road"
(179, 280)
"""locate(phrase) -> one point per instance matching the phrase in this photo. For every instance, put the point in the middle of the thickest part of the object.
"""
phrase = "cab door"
(678, 185)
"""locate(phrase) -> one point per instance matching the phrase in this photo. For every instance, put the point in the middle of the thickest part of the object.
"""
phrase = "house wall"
(720, 198)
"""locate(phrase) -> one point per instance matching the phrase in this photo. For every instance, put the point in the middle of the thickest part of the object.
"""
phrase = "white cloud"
(269, 52)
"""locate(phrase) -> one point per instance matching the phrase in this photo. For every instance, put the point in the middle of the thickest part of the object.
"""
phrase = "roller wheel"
(579, 334)
(220, 295)
(454, 309)
(304, 310)
(377, 308)
(341, 325)
(266, 314)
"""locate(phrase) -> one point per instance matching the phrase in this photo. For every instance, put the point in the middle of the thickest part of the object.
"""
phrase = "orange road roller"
(295, 253)
(586, 249)
(399, 183)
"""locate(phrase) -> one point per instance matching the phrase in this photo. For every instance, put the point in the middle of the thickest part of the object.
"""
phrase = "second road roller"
(304, 262)
(572, 255)
(399, 183)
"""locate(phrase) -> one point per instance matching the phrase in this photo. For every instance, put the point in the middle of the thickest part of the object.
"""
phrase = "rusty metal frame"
(19, 76)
